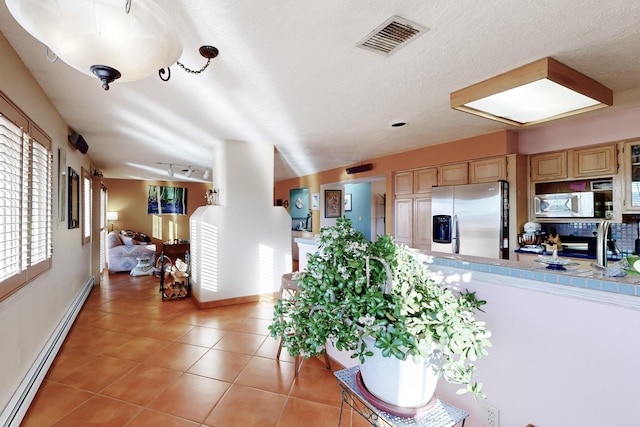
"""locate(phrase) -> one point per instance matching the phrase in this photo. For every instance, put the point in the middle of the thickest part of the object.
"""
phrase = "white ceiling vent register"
(393, 34)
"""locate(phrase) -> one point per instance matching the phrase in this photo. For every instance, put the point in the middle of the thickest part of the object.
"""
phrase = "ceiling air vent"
(393, 34)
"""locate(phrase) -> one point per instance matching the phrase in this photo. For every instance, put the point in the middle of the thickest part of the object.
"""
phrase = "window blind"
(25, 205)
(86, 202)
(40, 229)
(11, 199)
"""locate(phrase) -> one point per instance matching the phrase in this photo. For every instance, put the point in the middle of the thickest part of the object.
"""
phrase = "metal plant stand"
(441, 414)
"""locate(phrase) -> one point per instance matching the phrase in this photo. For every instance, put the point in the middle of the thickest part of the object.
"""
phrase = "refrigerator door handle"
(455, 236)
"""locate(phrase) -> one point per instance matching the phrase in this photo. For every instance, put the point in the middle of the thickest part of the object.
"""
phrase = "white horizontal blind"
(86, 215)
(40, 226)
(103, 226)
(11, 199)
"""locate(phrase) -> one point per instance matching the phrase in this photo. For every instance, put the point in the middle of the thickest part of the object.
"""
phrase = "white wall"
(31, 314)
(556, 361)
(243, 246)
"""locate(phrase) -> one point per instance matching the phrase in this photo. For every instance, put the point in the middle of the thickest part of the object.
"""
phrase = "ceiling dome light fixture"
(127, 39)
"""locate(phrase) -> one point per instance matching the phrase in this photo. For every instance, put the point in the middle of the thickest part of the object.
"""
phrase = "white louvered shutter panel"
(12, 179)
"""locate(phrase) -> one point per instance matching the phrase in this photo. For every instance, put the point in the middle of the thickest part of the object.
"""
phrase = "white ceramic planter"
(399, 382)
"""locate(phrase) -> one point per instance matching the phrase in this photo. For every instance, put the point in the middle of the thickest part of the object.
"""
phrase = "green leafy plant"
(353, 288)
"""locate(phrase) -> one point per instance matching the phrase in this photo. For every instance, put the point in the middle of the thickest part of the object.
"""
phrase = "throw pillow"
(128, 240)
(113, 240)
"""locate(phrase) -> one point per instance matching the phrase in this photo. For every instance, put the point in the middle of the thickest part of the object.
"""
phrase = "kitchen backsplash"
(624, 235)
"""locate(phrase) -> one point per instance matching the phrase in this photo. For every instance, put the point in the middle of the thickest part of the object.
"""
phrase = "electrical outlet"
(490, 415)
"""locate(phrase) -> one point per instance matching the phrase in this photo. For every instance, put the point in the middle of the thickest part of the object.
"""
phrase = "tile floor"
(133, 360)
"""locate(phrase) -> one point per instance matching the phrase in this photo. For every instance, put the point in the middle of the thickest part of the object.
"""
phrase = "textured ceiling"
(289, 73)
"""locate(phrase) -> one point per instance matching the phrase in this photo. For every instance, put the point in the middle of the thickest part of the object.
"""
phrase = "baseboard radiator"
(17, 407)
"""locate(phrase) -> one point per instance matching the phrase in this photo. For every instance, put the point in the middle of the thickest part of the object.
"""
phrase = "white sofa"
(123, 251)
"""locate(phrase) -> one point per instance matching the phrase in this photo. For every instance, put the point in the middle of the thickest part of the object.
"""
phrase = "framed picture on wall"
(332, 203)
(166, 200)
(74, 198)
(347, 202)
(315, 201)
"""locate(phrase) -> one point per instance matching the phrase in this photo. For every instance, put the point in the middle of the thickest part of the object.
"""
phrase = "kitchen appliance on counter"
(471, 219)
(532, 238)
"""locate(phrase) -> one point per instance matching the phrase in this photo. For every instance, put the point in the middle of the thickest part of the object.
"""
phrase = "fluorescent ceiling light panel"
(541, 91)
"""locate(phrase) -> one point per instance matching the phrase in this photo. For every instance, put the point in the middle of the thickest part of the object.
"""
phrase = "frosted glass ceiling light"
(111, 39)
(541, 91)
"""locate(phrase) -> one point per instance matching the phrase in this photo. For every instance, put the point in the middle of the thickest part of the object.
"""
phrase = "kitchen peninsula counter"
(575, 281)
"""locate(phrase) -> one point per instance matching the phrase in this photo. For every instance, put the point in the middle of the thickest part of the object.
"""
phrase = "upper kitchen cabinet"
(488, 170)
(549, 166)
(453, 174)
(424, 180)
(601, 160)
(631, 156)
(403, 183)
(594, 161)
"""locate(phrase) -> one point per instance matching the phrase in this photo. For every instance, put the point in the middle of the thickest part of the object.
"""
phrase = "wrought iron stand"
(441, 415)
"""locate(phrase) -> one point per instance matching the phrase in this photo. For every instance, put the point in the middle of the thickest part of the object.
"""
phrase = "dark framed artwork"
(74, 198)
(163, 200)
(347, 202)
(332, 203)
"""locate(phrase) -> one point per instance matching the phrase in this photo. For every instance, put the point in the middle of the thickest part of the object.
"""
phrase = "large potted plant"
(376, 299)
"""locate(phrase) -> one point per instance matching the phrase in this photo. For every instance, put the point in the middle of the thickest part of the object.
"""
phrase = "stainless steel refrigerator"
(471, 219)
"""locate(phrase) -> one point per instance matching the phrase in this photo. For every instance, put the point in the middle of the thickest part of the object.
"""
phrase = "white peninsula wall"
(240, 247)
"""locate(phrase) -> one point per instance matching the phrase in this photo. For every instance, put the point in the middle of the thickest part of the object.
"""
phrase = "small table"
(441, 415)
(175, 250)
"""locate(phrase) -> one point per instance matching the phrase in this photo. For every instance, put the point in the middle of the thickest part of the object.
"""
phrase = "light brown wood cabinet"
(488, 170)
(594, 161)
(424, 180)
(549, 166)
(422, 222)
(453, 174)
(403, 221)
(631, 178)
(403, 183)
(412, 210)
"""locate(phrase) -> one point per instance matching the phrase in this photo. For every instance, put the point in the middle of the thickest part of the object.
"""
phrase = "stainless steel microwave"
(564, 205)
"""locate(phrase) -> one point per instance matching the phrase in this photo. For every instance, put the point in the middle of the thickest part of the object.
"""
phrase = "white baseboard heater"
(18, 405)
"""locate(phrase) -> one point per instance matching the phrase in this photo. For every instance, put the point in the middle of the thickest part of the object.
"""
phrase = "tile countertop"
(588, 283)
(575, 278)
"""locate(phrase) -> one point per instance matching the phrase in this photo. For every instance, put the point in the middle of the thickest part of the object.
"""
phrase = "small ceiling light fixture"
(127, 39)
(187, 170)
(537, 92)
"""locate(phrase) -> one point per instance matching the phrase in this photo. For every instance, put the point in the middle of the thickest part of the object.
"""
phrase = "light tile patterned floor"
(133, 360)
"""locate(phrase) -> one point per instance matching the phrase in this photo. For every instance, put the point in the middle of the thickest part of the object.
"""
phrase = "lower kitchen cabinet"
(412, 222)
